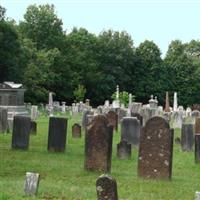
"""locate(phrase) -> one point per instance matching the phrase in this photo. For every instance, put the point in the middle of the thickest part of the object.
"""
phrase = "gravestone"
(197, 125)
(136, 107)
(33, 130)
(76, 131)
(167, 106)
(139, 117)
(195, 114)
(21, 132)
(197, 148)
(98, 144)
(130, 130)
(3, 120)
(187, 137)
(57, 134)
(197, 195)
(85, 118)
(177, 118)
(106, 187)
(155, 151)
(113, 119)
(124, 150)
(31, 183)
(34, 112)
(121, 114)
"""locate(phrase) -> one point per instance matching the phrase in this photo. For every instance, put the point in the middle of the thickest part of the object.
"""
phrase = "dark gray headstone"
(156, 149)
(124, 150)
(33, 128)
(3, 120)
(187, 137)
(31, 183)
(106, 188)
(98, 145)
(21, 132)
(112, 117)
(57, 134)
(76, 131)
(197, 148)
(139, 117)
(130, 130)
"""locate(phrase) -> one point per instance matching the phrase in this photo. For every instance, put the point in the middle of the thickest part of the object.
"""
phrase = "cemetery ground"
(63, 175)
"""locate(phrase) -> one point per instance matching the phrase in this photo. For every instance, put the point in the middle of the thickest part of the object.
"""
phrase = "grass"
(63, 176)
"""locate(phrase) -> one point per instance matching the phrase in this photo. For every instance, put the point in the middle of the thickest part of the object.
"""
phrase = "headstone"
(50, 105)
(34, 112)
(195, 114)
(76, 131)
(113, 119)
(121, 114)
(197, 148)
(197, 125)
(57, 134)
(177, 119)
(197, 195)
(156, 149)
(130, 100)
(98, 145)
(130, 130)
(31, 183)
(136, 107)
(124, 150)
(187, 137)
(63, 107)
(106, 188)
(139, 117)
(3, 120)
(33, 128)
(21, 132)
(167, 107)
(85, 118)
(175, 103)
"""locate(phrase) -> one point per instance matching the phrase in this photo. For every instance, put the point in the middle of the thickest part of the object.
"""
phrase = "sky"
(158, 20)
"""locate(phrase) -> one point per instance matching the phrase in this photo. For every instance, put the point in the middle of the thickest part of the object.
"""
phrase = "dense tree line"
(40, 54)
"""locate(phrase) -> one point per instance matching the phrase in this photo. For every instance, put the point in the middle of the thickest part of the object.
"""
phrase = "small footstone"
(31, 183)
(106, 188)
(76, 131)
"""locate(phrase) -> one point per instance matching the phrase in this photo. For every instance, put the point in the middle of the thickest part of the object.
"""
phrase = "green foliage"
(123, 97)
(79, 93)
(2, 13)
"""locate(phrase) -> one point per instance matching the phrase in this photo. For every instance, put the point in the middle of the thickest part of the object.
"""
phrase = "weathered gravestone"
(21, 132)
(33, 130)
(31, 183)
(197, 148)
(85, 118)
(187, 137)
(3, 120)
(113, 119)
(130, 130)
(197, 126)
(156, 149)
(121, 114)
(197, 195)
(106, 187)
(139, 117)
(124, 150)
(57, 134)
(194, 115)
(76, 131)
(98, 144)
(34, 112)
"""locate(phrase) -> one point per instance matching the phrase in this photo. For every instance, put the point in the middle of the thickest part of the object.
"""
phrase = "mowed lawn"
(63, 175)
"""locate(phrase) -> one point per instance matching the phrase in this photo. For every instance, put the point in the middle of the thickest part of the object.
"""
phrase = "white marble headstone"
(31, 183)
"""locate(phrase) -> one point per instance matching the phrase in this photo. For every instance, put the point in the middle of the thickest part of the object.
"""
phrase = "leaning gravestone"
(98, 145)
(21, 132)
(3, 120)
(113, 119)
(130, 130)
(33, 130)
(197, 148)
(197, 125)
(57, 134)
(31, 183)
(124, 150)
(76, 131)
(155, 151)
(187, 137)
(106, 188)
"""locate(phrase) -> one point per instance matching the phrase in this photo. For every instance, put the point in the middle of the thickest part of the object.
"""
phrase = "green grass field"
(63, 176)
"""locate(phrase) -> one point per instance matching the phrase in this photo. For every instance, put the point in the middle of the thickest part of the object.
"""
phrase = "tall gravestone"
(156, 149)
(57, 134)
(3, 120)
(21, 132)
(113, 119)
(167, 107)
(187, 137)
(106, 188)
(130, 130)
(98, 145)
(197, 148)
(124, 150)
(76, 131)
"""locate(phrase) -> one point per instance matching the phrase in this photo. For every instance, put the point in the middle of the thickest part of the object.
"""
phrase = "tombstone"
(85, 118)
(21, 132)
(130, 100)
(3, 120)
(197, 195)
(106, 188)
(167, 107)
(98, 145)
(130, 130)
(76, 131)
(195, 114)
(175, 103)
(187, 137)
(156, 149)
(121, 114)
(136, 107)
(34, 112)
(197, 125)
(31, 183)
(113, 119)
(177, 119)
(138, 116)
(50, 105)
(33, 130)
(124, 150)
(146, 114)
(57, 134)
(63, 107)
(197, 149)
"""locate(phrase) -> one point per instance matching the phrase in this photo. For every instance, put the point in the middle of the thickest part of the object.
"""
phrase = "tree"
(2, 13)
(79, 93)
